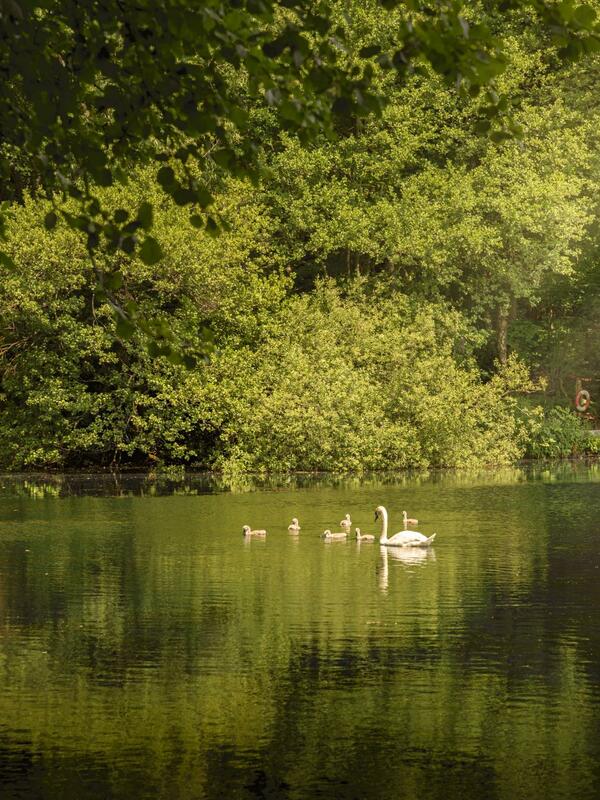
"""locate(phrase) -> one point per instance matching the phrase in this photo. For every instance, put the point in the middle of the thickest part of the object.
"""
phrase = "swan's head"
(246, 530)
(380, 513)
(294, 521)
(327, 533)
(357, 531)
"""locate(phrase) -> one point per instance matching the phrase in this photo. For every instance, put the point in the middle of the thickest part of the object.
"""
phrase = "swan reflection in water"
(410, 556)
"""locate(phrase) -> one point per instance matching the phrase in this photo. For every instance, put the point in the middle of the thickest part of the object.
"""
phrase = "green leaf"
(342, 107)
(50, 220)
(104, 177)
(151, 252)
(132, 226)
(371, 50)
(6, 261)
(238, 116)
(222, 158)
(153, 349)
(120, 216)
(127, 244)
(165, 176)
(584, 16)
(565, 9)
(114, 280)
(125, 328)
(482, 126)
(591, 44)
(174, 357)
(145, 216)
(183, 197)
(275, 48)
(203, 197)
(320, 79)
(212, 228)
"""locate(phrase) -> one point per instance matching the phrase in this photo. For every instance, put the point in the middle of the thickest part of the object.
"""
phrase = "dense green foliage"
(361, 378)
(94, 88)
(325, 380)
(381, 299)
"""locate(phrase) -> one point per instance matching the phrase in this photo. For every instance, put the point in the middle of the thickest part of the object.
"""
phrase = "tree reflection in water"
(147, 651)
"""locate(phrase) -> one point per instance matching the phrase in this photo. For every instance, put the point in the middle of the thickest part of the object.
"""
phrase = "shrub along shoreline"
(350, 376)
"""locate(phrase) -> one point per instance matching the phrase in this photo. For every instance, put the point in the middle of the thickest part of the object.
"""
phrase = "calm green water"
(148, 651)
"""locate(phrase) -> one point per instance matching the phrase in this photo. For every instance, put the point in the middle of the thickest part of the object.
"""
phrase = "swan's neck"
(384, 518)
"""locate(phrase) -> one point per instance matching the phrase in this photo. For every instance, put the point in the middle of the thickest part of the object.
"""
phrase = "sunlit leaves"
(92, 92)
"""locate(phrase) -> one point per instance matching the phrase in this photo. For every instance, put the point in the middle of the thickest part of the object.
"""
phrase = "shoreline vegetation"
(178, 482)
(407, 294)
(352, 375)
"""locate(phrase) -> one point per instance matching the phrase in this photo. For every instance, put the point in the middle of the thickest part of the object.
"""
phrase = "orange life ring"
(582, 400)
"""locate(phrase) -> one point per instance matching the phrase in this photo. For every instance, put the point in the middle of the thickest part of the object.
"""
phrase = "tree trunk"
(502, 334)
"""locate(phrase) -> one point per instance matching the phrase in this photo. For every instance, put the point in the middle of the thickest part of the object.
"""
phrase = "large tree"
(91, 89)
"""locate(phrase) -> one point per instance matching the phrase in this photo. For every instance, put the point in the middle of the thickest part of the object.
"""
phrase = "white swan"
(409, 555)
(247, 531)
(403, 538)
(334, 536)
(364, 537)
(409, 520)
(294, 527)
(346, 522)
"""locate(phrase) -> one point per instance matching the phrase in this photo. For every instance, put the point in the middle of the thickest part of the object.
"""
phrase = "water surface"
(148, 651)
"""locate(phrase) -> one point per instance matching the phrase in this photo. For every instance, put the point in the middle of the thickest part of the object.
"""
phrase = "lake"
(148, 651)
